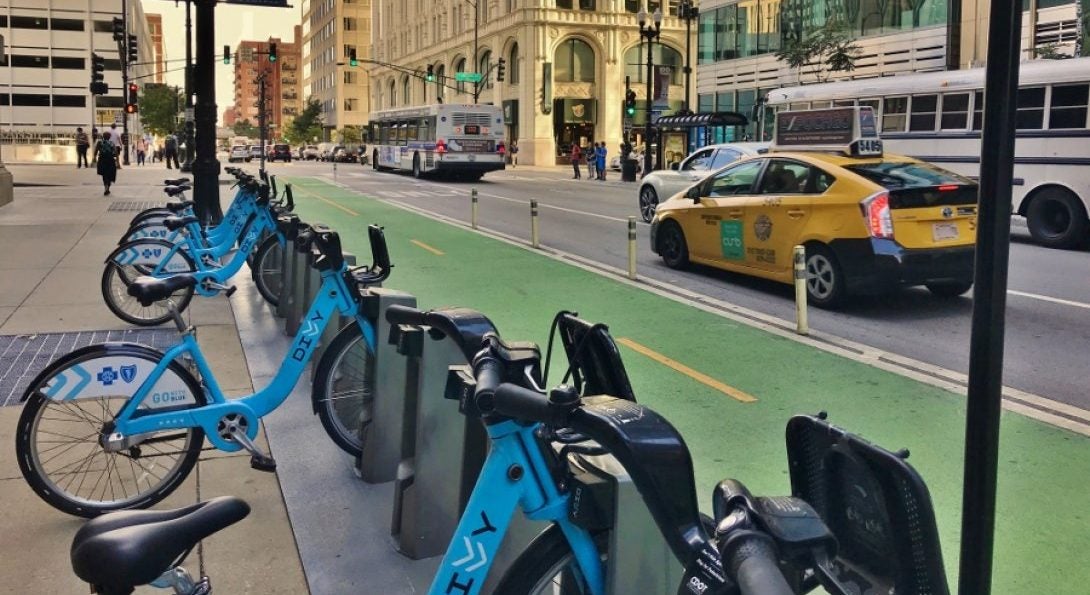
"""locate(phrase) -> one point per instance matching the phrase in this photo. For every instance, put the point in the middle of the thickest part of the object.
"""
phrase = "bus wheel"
(1056, 219)
(417, 172)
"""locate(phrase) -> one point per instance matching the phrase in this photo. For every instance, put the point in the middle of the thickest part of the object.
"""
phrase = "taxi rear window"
(913, 185)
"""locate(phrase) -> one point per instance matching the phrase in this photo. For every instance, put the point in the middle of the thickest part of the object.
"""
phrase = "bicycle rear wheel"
(343, 390)
(267, 269)
(548, 567)
(127, 262)
(57, 440)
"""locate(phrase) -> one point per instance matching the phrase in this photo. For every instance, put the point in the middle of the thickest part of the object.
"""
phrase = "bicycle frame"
(499, 490)
(131, 422)
(223, 233)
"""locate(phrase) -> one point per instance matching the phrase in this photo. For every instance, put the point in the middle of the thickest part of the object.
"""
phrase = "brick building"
(282, 81)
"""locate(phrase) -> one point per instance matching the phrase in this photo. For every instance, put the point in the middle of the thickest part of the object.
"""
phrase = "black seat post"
(179, 322)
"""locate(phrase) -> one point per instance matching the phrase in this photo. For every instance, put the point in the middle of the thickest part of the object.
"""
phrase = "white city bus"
(464, 141)
(937, 117)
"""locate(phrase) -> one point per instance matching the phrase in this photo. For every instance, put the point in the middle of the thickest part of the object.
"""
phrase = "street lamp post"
(650, 33)
(187, 166)
(476, 65)
(687, 11)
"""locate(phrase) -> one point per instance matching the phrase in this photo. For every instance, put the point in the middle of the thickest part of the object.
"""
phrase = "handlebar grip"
(396, 314)
(750, 558)
(489, 374)
(516, 402)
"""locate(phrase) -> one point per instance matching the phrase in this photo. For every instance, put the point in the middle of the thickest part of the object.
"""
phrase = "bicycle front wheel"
(126, 263)
(267, 268)
(548, 567)
(343, 390)
(58, 437)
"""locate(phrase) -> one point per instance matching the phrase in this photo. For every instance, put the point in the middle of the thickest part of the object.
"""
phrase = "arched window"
(574, 61)
(440, 80)
(460, 66)
(393, 94)
(482, 67)
(513, 65)
(405, 98)
(635, 62)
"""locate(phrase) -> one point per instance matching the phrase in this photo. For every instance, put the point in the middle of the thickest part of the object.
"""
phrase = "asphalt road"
(1048, 315)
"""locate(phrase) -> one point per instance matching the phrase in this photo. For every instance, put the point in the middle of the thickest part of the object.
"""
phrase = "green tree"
(350, 135)
(160, 109)
(245, 128)
(307, 125)
(829, 47)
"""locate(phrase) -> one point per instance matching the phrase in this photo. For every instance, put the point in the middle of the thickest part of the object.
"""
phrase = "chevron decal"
(471, 556)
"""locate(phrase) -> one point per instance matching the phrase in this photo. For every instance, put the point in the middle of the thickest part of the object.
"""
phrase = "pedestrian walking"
(141, 151)
(83, 144)
(514, 153)
(576, 157)
(592, 161)
(600, 155)
(170, 151)
(115, 138)
(105, 155)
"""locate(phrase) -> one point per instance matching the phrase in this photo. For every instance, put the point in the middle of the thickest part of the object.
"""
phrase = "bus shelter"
(682, 134)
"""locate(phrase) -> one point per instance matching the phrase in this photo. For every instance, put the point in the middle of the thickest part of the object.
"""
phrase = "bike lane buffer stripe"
(331, 202)
(702, 378)
(434, 251)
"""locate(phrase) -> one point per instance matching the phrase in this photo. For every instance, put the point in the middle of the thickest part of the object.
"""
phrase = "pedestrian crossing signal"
(130, 108)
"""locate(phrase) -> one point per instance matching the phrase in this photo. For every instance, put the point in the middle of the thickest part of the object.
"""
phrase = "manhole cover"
(23, 356)
(133, 205)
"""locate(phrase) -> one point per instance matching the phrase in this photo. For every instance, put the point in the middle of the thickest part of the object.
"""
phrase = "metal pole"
(473, 208)
(261, 118)
(123, 55)
(534, 235)
(690, 13)
(802, 322)
(206, 169)
(188, 164)
(476, 66)
(649, 33)
(990, 298)
(631, 247)
(953, 35)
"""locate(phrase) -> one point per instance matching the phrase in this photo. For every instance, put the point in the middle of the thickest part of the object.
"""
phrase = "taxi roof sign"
(849, 130)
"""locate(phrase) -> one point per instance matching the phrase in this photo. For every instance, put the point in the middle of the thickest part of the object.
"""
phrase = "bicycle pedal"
(263, 463)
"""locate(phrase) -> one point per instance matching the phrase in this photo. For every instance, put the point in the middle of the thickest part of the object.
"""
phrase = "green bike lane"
(1042, 534)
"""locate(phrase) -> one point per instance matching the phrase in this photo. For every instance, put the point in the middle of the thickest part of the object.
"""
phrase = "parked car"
(280, 153)
(325, 151)
(311, 153)
(344, 154)
(256, 151)
(662, 184)
(238, 153)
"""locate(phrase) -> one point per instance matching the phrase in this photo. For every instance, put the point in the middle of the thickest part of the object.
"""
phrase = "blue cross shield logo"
(128, 373)
(107, 376)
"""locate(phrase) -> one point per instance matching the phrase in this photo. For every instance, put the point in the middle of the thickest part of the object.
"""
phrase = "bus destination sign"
(851, 130)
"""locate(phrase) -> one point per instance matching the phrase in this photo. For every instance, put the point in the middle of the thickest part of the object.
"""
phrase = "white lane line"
(1045, 298)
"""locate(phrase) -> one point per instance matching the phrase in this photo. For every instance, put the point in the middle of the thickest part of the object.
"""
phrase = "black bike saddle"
(175, 190)
(178, 207)
(122, 550)
(176, 182)
(174, 223)
(148, 290)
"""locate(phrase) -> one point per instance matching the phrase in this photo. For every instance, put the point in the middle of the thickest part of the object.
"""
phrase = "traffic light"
(132, 49)
(630, 103)
(430, 74)
(98, 67)
(272, 52)
(352, 61)
(226, 54)
(501, 68)
(119, 29)
(130, 104)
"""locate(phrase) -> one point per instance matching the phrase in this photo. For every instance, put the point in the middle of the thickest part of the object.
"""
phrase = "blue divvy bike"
(120, 425)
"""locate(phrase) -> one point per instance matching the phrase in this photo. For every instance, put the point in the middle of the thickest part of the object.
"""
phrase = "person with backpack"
(575, 157)
(105, 155)
(170, 151)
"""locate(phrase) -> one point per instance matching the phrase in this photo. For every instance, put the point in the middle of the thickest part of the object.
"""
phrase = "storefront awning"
(708, 119)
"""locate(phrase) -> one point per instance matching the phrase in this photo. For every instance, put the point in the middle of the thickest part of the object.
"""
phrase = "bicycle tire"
(152, 213)
(266, 269)
(37, 405)
(346, 417)
(117, 277)
(543, 567)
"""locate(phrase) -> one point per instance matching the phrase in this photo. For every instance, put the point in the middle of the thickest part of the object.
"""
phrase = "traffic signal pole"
(122, 53)
(206, 169)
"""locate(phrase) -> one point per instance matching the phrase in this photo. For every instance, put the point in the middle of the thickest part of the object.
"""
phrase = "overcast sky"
(233, 24)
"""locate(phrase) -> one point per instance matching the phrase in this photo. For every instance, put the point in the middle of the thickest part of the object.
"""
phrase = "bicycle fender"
(113, 369)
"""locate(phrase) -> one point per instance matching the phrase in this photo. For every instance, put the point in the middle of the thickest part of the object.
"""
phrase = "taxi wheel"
(824, 279)
(672, 246)
(649, 201)
(949, 289)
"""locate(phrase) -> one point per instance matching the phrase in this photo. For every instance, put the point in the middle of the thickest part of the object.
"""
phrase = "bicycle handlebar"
(750, 559)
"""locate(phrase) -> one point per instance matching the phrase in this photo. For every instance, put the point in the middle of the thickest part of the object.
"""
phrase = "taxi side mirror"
(694, 193)
(675, 166)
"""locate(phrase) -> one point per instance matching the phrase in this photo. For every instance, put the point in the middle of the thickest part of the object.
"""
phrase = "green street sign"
(467, 77)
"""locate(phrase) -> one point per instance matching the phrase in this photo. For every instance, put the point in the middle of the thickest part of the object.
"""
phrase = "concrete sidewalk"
(53, 240)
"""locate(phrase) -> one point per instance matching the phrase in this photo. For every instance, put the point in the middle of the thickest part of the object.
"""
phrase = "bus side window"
(1069, 106)
(955, 111)
(895, 115)
(978, 110)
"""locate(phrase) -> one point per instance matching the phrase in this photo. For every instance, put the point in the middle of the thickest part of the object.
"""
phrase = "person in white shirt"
(115, 138)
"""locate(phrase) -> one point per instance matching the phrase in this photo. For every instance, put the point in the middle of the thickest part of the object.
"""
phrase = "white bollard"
(802, 324)
(534, 235)
(631, 247)
(473, 208)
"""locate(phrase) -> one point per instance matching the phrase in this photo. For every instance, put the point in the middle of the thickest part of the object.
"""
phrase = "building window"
(460, 66)
(482, 67)
(349, 77)
(635, 66)
(348, 49)
(29, 61)
(29, 23)
(513, 65)
(574, 60)
(350, 24)
(69, 101)
(393, 95)
(441, 78)
(30, 99)
(66, 24)
(68, 63)
(406, 98)
(351, 104)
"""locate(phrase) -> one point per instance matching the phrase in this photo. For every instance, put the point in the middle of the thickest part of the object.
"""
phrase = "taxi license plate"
(944, 231)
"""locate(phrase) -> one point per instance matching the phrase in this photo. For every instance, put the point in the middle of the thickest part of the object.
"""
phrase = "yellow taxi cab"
(870, 222)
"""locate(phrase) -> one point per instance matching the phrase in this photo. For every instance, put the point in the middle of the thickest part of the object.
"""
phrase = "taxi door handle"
(734, 214)
(796, 213)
